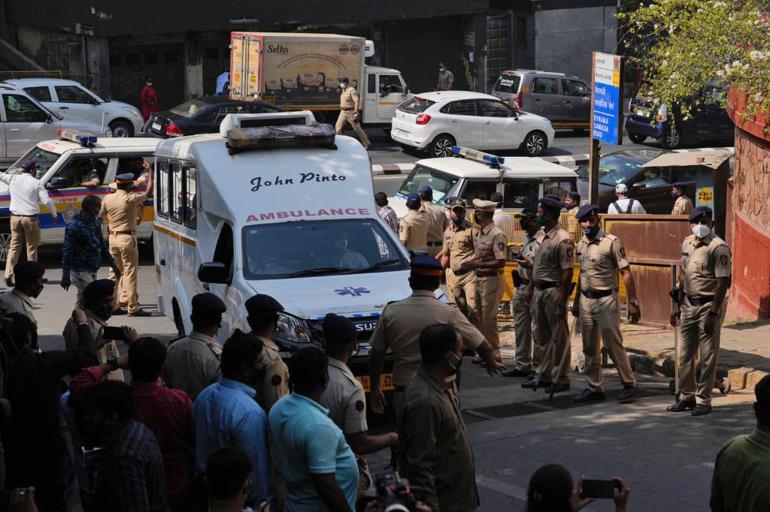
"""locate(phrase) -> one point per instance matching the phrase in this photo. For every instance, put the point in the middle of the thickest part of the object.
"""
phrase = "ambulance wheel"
(178, 319)
(5, 241)
(121, 128)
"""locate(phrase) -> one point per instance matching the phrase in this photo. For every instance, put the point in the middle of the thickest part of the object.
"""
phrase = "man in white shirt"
(625, 204)
(27, 194)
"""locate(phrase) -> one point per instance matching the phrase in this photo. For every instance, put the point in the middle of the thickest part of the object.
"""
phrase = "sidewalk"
(651, 349)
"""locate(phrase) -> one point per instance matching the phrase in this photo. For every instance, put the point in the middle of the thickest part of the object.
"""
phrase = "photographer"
(551, 488)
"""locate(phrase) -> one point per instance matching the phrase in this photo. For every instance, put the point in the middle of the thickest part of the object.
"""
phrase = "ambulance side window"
(190, 197)
(176, 192)
(223, 253)
(161, 188)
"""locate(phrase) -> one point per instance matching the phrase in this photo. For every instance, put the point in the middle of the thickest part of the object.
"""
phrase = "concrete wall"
(565, 38)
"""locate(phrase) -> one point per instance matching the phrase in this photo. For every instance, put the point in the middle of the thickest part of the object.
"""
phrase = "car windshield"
(300, 249)
(189, 108)
(415, 105)
(440, 182)
(619, 167)
(508, 83)
(43, 158)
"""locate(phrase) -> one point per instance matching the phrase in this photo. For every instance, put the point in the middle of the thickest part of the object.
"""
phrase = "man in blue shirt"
(227, 414)
(320, 468)
(84, 248)
(222, 83)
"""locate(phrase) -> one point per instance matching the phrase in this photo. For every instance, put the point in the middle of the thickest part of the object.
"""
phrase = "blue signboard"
(606, 100)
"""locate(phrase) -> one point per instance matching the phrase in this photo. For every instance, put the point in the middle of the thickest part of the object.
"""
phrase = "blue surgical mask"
(591, 232)
(457, 220)
(674, 194)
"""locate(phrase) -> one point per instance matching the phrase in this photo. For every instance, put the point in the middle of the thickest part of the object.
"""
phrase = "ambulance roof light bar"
(84, 139)
(286, 136)
(478, 156)
(300, 117)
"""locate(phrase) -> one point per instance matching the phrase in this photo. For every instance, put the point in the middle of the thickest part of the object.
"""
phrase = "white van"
(284, 210)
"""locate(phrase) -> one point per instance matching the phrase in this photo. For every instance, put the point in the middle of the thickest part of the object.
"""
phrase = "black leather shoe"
(681, 406)
(701, 410)
(628, 394)
(533, 384)
(588, 396)
(558, 387)
(515, 373)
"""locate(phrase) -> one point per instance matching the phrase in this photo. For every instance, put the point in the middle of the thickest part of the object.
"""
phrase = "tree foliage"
(682, 45)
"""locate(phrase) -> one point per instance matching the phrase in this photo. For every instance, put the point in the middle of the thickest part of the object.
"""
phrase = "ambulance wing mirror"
(214, 272)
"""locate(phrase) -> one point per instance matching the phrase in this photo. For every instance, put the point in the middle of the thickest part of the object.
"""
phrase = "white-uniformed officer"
(706, 261)
(344, 395)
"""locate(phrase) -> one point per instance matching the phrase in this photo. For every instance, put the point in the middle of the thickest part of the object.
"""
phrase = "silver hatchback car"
(564, 99)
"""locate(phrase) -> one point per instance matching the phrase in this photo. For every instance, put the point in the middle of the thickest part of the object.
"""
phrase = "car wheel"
(672, 139)
(637, 138)
(5, 241)
(121, 128)
(535, 143)
(442, 146)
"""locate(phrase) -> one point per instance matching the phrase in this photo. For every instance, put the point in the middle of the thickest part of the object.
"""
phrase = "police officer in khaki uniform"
(438, 220)
(682, 203)
(29, 285)
(350, 106)
(121, 211)
(703, 285)
(489, 251)
(413, 227)
(571, 205)
(344, 395)
(402, 322)
(526, 358)
(550, 285)
(601, 256)
(457, 249)
(262, 317)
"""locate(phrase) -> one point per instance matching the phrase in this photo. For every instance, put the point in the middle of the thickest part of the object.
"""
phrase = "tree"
(683, 45)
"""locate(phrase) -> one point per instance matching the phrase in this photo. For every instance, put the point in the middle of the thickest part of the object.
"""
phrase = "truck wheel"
(535, 143)
(5, 241)
(441, 146)
(121, 128)
(637, 138)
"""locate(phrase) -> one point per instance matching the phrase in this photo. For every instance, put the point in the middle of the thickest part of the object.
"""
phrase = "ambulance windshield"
(314, 248)
(43, 158)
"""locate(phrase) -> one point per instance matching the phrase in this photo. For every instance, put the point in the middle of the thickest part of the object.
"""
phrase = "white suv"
(436, 121)
(78, 104)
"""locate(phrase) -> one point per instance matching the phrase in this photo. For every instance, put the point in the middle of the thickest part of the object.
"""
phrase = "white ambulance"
(284, 208)
(72, 167)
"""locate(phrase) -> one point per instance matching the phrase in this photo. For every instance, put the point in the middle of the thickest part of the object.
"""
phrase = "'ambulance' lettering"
(296, 214)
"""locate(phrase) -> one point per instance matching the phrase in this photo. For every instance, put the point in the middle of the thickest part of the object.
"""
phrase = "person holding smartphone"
(552, 488)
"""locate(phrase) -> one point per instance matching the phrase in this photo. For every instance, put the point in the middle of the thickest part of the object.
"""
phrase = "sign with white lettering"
(607, 99)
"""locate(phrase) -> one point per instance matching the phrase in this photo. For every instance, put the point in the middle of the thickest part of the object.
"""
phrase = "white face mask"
(701, 230)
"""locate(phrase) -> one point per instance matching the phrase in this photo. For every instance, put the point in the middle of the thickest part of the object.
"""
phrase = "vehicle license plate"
(156, 126)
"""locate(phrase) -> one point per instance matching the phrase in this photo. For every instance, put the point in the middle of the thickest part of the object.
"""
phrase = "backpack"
(628, 207)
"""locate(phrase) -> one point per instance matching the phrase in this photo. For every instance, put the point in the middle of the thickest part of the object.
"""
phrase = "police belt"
(544, 285)
(347, 109)
(596, 294)
(20, 215)
(435, 244)
(116, 233)
(700, 301)
(487, 273)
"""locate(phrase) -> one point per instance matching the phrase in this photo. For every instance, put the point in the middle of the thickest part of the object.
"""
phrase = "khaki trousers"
(24, 230)
(693, 337)
(348, 116)
(488, 301)
(527, 355)
(80, 280)
(125, 252)
(551, 335)
(463, 294)
(600, 319)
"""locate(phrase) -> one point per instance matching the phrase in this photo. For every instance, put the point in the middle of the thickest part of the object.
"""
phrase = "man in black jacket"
(33, 440)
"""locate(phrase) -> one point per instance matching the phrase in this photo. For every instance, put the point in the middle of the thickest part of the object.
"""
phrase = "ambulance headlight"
(291, 328)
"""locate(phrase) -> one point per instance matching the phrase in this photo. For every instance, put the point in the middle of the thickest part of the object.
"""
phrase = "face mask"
(343, 86)
(591, 231)
(457, 220)
(674, 195)
(453, 361)
(539, 220)
(37, 290)
(103, 310)
(441, 70)
(701, 230)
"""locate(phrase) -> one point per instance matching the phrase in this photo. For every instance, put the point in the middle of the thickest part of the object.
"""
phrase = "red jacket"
(149, 97)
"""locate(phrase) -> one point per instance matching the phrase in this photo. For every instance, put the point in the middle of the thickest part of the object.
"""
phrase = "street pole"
(593, 171)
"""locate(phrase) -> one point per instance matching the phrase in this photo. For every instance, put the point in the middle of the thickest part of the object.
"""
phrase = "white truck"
(302, 72)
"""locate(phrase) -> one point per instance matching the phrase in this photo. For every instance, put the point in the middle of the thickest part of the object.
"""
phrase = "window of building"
(171, 56)
(115, 60)
(151, 58)
(132, 59)
(161, 189)
(521, 32)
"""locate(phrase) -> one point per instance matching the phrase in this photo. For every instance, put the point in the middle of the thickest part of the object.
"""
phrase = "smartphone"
(600, 489)
(114, 333)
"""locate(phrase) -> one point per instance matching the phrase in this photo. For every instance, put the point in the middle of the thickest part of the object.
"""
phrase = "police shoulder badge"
(359, 405)
(276, 380)
(723, 260)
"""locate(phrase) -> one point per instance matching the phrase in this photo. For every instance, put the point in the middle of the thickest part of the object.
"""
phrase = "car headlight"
(131, 110)
(292, 329)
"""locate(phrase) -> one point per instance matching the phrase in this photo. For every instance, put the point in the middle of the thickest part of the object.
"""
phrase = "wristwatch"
(113, 362)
